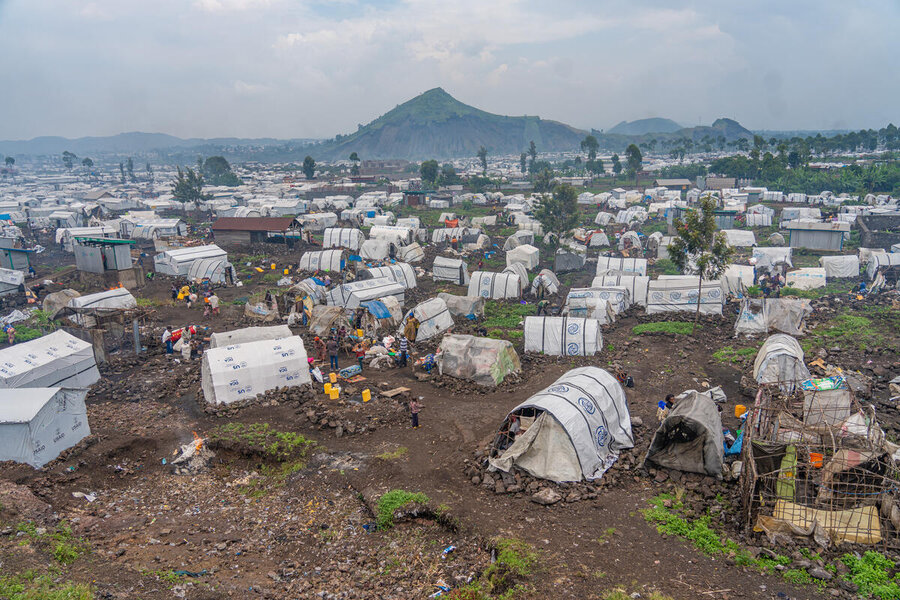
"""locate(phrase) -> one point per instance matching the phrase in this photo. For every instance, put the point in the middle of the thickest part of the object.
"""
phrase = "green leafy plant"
(872, 573)
(393, 454)
(666, 327)
(392, 501)
(729, 354)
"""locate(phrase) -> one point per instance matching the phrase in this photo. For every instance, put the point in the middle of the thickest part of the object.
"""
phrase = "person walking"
(214, 304)
(11, 334)
(404, 350)
(332, 346)
(414, 408)
(174, 292)
(319, 345)
(360, 350)
(542, 307)
(167, 340)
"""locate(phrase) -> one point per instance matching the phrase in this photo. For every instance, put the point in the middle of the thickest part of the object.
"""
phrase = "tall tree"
(542, 178)
(699, 249)
(87, 163)
(217, 171)
(10, 161)
(523, 162)
(68, 158)
(558, 212)
(129, 166)
(354, 158)
(429, 172)
(188, 187)
(482, 156)
(309, 167)
(590, 145)
(616, 165)
(633, 159)
(122, 172)
(532, 152)
(149, 172)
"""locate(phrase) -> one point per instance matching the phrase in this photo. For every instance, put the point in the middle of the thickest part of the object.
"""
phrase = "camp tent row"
(57, 359)
(563, 336)
(351, 295)
(179, 262)
(434, 318)
(680, 293)
(322, 260)
(495, 285)
(401, 273)
(607, 265)
(346, 237)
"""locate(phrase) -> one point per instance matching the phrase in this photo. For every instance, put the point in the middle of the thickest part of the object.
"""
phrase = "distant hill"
(729, 128)
(437, 125)
(130, 143)
(645, 126)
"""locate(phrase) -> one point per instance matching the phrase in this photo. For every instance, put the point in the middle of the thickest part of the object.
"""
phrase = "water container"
(327, 388)
(366, 395)
(333, 377)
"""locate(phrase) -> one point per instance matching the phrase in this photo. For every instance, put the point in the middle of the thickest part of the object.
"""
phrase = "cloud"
(314, 68)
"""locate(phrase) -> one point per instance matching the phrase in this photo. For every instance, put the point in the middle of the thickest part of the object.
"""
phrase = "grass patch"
(508, 334)
(666, 327)
(728, 354)
(839, 287)
(150, 302)
(24, 333)
(666, 267)
(392, 501)
(33, 586)
(504, 314)
(849, 330)
(60, 542)
(262, 439)
(393, 454)
(871, 572)
(167, 576)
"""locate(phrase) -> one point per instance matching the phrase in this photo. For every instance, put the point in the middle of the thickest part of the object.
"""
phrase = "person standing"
(11, 334)
(332, 346)
(414, 408)
(319, 345)
(214, 304)
(167, 340)
(174, 292)
(542, 307)
(360, 350)
(404, 350)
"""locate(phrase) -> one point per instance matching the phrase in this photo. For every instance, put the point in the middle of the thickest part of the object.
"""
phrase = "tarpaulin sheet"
(38, 423)
(249, 334)
(377, 308)
(54, 360)
(563, 336)
(485, 361)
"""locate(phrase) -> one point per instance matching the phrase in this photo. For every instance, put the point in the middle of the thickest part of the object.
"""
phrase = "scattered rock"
(819, 573)
(546, 497)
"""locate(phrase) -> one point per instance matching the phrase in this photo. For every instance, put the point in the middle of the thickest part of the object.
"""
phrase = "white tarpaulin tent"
(485, 361)
(547, 281)
(607, 265)
(36, 424)
(563, 336)
(249, 334)
(762, 315)
(737, 278)
(83, 309)
(412, 253)
(680, 293)
(618, 297)
(463, 306)
(178, 261)
(399, 236)
(376, 249)
(450, 269)
(495, 285)
(54, 360)
(882, 260)
(519, 238)
(630, 239)
(806, 279)
(350, 295)
(214, 268)
(636, 285)
(780, 360)
(840, 266)
(770, 256)
(345, 237)
(317, 221)
(690, 438)
(322, 260)
(758, 220)
(590, 308)
(527, 255)
(10, 280)
(739, 238)
(402, 273)
(449, 233)
(520, 270)
(570, 431)
(241, 371)
(434, 318)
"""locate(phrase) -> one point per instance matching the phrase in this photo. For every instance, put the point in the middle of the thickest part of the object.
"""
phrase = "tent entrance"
(541, 448)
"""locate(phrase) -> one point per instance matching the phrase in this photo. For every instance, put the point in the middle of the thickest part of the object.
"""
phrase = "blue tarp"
(377, 308)
(318, 281)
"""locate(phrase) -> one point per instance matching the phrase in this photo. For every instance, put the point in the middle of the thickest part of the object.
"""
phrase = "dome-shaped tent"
(780, 360)
(690, 438)
(570, 431)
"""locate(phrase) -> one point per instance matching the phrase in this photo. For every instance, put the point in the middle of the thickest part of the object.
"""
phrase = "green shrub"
(392, 501)
(667, 327)
(871, 572)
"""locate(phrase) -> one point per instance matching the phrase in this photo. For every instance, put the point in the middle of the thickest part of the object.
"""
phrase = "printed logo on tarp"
(602, 436)
(587, 405)
(282, 369)
(573, 349)
(59, 435)
(572, 328)
(39, 447)
(558, 389)
(234, 383)
(77, 425)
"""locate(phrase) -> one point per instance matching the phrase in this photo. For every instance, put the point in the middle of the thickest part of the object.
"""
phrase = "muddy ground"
(242, 527)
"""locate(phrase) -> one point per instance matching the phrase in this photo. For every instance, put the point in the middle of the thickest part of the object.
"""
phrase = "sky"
(316, 68)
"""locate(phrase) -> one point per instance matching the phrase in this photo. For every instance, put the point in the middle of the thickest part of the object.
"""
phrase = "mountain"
(645, 126)
(730, 129)
(437, 125)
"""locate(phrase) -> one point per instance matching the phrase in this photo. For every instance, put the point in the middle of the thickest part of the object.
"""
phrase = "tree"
(354, 158)
(616, 165)
(590, 145)
(793, 159)
(68, 158)
(129, 166)
(523, 162)
(532, 152)
(482, 156)
(10, 161)
(429, 172)
(634, 160)
(188, 186)
(558, 212)
(149, 172)
(448, 175)
(217, 171)
(309, 167)
(699, 249)
(87, 163)
(122, 171)
(595, 166)
(542, 179)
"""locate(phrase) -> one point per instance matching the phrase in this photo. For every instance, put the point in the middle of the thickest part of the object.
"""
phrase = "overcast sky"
(315, 68)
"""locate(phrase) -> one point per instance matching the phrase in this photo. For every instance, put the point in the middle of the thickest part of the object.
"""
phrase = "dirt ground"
(242, 529)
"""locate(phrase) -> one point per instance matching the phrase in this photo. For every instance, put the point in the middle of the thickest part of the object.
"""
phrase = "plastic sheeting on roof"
(772, 255)
(582, 424)
(806, 279)
(434, 318)
(618, 297)
(54, 360)
(242, 371)
(690, 438)
(680, 293)
(762, 315)
(463, 306)
(322, 260)
(412, 253)
(880, 261)
(737, 279)
(840, 266)
(780, 360)
(545, 280)
(375, 249)
(739, 238)
(402, 273)
(607, 265)
(563, 336)
(495, 285)
(590, 308)
(350, 295)
(346, 237)
(249, 334)
(37, 424)
(178, 261)
(526, 255)
(399, 236)
(450, 269)
(630, 239)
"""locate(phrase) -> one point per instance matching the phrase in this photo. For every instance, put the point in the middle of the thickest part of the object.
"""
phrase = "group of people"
(191, 343)
(191, 295)
(771, 284)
